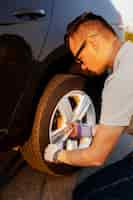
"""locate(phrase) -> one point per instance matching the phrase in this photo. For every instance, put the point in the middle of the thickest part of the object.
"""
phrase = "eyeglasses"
(76, 57)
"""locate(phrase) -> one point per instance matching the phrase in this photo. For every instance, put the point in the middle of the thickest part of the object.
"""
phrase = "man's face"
(89, 52)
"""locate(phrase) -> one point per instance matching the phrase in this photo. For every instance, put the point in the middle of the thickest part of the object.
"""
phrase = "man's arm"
(105, 139)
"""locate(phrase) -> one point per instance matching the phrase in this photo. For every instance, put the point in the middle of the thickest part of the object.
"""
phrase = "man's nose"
(83, 66)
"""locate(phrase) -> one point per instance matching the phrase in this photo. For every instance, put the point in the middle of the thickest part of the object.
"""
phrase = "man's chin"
(91, 72)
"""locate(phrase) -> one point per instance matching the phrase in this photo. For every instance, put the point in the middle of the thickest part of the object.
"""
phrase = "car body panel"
(19, 99)
(34, 31)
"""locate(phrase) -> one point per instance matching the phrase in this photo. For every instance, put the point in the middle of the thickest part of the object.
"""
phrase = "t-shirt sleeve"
(117, 101)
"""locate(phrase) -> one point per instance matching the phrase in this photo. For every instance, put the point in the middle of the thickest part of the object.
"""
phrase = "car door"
(27, 18)
(30, 20)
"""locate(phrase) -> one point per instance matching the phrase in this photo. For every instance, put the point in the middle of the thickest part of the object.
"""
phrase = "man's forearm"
(104, 141)
(82, 158)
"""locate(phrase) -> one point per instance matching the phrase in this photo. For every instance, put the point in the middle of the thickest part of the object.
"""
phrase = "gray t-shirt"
(117, 96)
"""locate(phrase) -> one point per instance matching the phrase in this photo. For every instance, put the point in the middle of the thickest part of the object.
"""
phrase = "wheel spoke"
(82, 108)
(65, 109)
(57, 134)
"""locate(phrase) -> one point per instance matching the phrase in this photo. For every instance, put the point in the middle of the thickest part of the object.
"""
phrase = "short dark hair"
(85, 17)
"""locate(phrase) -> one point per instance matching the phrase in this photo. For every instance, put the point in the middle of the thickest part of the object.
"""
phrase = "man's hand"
(80, 130)
(51, 152)
(74, 133)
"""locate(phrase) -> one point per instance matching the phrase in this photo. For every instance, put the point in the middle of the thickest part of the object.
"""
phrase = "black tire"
(33, 149)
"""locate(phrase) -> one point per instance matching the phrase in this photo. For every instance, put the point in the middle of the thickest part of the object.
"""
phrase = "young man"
(96, 47)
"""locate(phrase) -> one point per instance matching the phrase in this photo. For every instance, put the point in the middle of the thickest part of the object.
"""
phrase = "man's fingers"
(50, 151)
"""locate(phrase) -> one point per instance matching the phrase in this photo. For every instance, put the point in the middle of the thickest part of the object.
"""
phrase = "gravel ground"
(30, 184)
